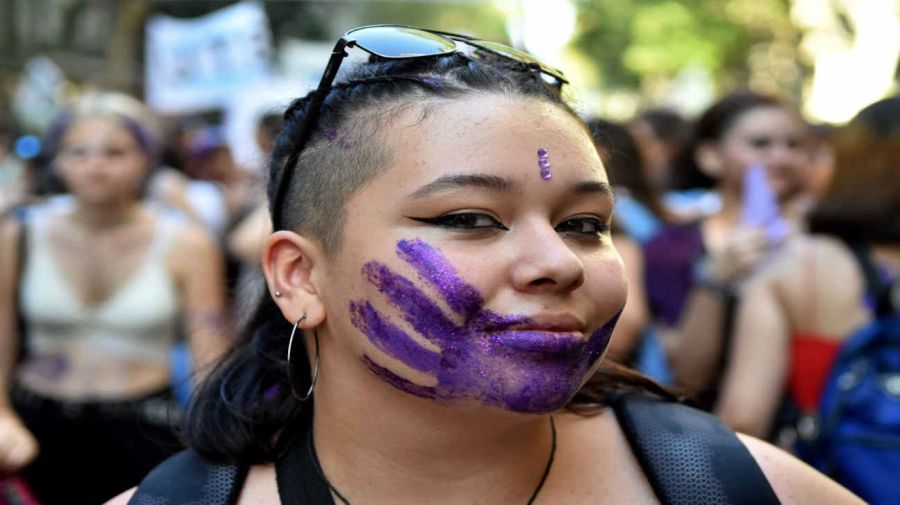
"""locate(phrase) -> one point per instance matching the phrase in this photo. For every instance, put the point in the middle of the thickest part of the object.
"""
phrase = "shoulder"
(793, 480)
(123, 498)
(190, 240)
(10, 231)
(187, 477)
(826, 258)
(10, 227)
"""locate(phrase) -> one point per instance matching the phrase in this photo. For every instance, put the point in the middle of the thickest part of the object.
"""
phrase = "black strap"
(300, 481)
(188, 478)
(879, 289)
(689, 456)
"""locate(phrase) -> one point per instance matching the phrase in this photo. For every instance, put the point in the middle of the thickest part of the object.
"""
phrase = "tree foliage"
(636, 43)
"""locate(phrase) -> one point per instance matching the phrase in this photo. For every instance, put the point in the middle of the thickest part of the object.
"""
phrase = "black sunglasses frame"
(331, 71)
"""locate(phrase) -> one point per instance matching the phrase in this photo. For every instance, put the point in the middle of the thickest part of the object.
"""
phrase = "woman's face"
(463, 274)
(101, 162)
(770, 136)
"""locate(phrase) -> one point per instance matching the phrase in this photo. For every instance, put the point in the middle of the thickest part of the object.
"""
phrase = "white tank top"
(136, 322)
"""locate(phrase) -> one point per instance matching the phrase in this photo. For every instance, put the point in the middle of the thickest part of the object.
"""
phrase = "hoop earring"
(290, 363)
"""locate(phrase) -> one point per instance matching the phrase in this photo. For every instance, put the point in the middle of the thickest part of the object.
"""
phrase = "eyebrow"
(449, 182)
(595, 187)
(493, 182)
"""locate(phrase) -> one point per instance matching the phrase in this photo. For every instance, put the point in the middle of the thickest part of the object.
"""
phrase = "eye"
(463, 221)
(115, 153)
(760, 142)
(583, 226)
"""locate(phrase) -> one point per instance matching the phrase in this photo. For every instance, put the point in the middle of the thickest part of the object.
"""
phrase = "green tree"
(641, 45)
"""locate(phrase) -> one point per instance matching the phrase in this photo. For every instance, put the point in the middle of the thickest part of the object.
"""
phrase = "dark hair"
(667, 124)
(244, 411)
(712, 126)
(129, 111)
(623, 162)
(271, 123)
(862, 203)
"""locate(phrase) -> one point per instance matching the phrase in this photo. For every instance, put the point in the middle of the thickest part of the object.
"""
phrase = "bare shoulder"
(192, 245)
(9, 230)
(9, 234)
(193, 238)
(123, 498)
(260, 486)
(793, 480)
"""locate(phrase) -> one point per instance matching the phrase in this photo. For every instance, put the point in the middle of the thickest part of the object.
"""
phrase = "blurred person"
(694, 270)
(441, 289)
(660, 134)
(795, 316)
(247, 238)
(206, 183)
(638, 216)
(100, 280)
(13, 169)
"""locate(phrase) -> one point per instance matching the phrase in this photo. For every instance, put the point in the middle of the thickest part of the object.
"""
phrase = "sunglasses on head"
(394, 42)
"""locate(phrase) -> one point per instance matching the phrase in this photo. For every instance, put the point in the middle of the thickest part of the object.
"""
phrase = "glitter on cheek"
(599, 340)
(477, 359)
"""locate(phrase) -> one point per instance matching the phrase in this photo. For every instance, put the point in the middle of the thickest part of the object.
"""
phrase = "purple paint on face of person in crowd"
(507, 361)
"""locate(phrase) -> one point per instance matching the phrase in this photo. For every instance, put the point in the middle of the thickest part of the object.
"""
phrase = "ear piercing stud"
(277, 294)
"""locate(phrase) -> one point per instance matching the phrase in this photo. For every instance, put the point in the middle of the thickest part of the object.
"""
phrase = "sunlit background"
(828, 57)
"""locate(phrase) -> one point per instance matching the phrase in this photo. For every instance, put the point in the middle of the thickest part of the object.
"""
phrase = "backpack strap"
(878, 289)
(189, 478)
(300, 479)
(688, 455)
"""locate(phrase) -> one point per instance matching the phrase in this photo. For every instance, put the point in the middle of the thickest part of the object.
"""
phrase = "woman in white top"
(103, 281)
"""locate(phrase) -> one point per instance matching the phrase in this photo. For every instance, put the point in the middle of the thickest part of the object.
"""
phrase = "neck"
(105, 216)
(386, 446)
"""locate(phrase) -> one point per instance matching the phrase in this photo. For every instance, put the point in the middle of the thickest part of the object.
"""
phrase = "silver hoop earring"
(290, 363)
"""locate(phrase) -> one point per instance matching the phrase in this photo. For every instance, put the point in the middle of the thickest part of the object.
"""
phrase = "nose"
(544, 262)
(783, 156)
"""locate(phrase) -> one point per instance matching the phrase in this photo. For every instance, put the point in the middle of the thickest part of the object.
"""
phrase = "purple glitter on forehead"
(488, 357)
(544, 163)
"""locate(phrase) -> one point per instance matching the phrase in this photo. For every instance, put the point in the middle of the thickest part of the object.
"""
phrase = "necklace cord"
(315, 459)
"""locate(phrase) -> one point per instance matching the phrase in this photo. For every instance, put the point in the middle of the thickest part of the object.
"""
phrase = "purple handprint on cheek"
(489, 357)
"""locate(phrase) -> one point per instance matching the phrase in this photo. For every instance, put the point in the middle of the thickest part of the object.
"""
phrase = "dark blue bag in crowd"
(858, 443)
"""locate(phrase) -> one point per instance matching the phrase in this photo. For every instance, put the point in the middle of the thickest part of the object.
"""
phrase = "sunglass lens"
(400, 42)
(515, 54)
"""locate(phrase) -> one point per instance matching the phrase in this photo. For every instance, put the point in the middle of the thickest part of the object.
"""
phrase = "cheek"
(607, 283)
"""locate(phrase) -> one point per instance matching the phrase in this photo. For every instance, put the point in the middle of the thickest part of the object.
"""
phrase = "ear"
(709, 160)
(292, 264)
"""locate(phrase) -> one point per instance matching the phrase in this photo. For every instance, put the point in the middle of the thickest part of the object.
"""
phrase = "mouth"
(540, 341)
(543, 333)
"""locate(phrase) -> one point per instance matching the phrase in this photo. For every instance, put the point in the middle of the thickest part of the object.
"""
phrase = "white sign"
(201, 63)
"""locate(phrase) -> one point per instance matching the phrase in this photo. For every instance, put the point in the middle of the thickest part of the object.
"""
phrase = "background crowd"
(757, 243)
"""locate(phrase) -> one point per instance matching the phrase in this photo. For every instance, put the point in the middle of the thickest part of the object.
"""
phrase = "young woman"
(809, 301)
(101, 285)
(443, 285)
(694, 270)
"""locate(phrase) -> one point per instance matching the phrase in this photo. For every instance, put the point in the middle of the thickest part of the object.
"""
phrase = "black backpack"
(689, 457)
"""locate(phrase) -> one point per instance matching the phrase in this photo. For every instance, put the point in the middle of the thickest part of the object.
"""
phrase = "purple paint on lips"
(487, 356)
